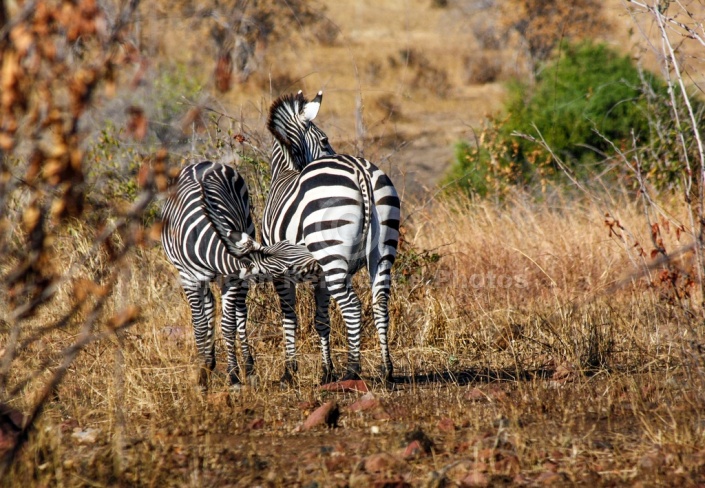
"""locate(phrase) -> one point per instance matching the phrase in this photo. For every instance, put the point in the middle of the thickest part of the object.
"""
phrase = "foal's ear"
(310, 110)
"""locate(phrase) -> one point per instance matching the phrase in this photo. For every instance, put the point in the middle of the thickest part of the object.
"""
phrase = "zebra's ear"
(310, 110)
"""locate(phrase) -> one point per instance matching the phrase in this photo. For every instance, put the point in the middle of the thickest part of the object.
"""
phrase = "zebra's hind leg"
(352, 315)
(381, 315)
(287, 300)
(200, 299)
(380, 312)
(234, 323)
(322, 325)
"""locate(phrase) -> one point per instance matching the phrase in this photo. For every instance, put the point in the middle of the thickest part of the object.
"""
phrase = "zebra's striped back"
(327, 207)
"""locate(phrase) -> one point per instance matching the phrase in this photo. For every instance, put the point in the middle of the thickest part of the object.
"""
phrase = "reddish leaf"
(137, 123)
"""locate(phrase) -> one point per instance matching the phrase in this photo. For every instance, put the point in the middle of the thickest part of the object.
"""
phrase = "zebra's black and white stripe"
(208, 233)
(345, 210)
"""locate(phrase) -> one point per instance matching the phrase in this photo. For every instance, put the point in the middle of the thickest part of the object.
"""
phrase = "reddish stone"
(256, 424)
(475, 479)
(476, 395)
(346, 386)
(381, 414)
(549, 478)
(382, 462)
(327, 414)
(446, 425)
(366, 402)
(508, 464)
(413, 450)
(521, 480)
(307, 405)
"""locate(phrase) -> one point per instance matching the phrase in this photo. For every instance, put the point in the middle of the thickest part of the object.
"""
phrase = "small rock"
(507, 464)
(521, 480)
(549, 478)
(87, 436)
(476, 395)
(346, 386)
(255, 424)
(366, 402)
(475, 479)
(413, 450)
(308, 406)
(420, 436)
(327, 414)
(381, 414)
(446, 425)
(382, 462)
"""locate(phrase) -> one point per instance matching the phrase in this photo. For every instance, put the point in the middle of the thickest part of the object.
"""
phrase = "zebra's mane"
(284, 108)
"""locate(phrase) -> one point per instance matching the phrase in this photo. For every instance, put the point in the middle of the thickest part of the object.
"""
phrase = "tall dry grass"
(528, 295)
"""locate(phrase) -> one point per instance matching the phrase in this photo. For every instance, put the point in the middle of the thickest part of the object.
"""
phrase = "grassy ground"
(534, 343)
(518, 361)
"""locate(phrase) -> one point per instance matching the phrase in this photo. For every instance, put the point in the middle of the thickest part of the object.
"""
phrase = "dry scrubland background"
(534, 342)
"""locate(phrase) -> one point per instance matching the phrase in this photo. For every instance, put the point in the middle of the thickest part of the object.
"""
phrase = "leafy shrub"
(587, 102)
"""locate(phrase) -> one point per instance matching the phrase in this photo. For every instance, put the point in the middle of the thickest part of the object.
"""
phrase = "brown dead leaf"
(136, 123)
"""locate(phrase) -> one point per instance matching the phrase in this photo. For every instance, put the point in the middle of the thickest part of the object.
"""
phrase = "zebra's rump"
(208, 231)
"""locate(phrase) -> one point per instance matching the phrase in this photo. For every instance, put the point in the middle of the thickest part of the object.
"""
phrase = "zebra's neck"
(283, 160)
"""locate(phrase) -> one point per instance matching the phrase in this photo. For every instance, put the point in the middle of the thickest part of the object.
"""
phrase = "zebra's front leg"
(322, 325)
(200, 299)
(287, 300)
(234, 323)
(352, 315)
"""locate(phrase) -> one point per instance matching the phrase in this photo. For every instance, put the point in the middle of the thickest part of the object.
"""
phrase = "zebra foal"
(345, 211)
(208, 233)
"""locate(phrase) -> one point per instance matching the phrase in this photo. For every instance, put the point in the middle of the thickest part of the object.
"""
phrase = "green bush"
(586, 102)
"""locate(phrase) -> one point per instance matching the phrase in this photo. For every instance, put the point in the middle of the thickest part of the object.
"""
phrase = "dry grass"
(522, 353)
(541, 374)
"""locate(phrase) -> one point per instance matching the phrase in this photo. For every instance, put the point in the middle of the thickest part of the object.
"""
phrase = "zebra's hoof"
(351, 375)
(204, 375)
(253, 380)
(387, 373)
(328, 376)
(287, 380)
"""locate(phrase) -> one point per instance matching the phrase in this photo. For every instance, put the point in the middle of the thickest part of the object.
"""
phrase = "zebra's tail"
(367, 191)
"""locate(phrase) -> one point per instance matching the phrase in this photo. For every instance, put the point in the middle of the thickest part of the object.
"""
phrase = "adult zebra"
(345, 210)
(208, 233)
